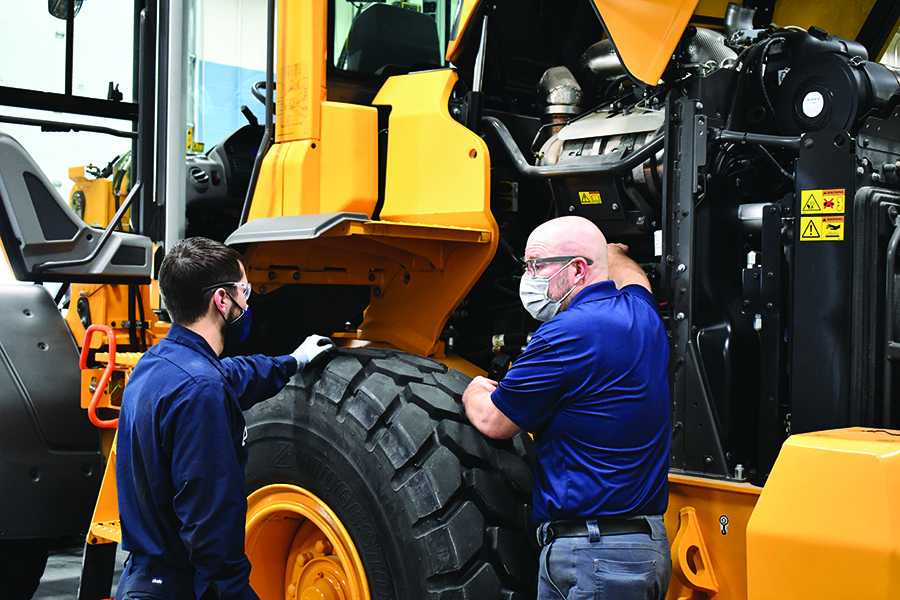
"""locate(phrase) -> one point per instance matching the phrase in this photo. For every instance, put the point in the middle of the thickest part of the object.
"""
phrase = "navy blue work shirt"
(180, 464)
(592, 387)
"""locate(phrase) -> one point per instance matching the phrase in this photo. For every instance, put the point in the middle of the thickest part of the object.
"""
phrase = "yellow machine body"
(435, 233)
(94, 198)
(826, 525)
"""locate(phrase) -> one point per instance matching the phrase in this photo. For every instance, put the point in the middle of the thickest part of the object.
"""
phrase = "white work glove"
(311, 348)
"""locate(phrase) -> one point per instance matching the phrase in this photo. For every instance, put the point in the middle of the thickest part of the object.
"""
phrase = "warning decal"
(815, 202)
(828, 228)
(589, 198)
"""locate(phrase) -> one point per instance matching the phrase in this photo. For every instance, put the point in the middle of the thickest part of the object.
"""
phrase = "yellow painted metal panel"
(827, 524)
(709, 500)
(418, 274)
(337, 173)
(349, 146)
(711, 8)
(467, 9)
(302, 53)
(105, 526)
(99, 201)
(109, 304)
(438, 171)
(843, 18)
(269, 192)
(645, 32)
(301, 170)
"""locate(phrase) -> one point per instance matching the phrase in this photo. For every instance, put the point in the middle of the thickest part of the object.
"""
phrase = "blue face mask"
(237, 330)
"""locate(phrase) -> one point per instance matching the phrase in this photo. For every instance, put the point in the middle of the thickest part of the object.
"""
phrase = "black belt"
(561, 529)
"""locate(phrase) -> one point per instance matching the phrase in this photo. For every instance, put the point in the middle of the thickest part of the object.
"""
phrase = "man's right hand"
(482, 412)
(623, 270)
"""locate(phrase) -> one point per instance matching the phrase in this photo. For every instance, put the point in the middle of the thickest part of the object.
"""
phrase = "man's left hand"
(313, 347)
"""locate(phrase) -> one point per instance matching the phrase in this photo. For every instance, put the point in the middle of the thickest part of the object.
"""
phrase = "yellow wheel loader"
(749, 155)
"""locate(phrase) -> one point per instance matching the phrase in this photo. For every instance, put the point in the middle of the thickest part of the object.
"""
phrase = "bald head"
(571, 236)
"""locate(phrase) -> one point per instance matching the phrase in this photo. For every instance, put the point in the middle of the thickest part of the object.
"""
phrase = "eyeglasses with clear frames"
(244, 287)
(530, 266)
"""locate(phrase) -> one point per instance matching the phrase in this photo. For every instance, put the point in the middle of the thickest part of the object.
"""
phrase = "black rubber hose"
(599, 166)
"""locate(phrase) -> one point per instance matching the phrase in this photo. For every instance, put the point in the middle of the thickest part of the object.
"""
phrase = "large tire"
(22, 563)
(419, 501)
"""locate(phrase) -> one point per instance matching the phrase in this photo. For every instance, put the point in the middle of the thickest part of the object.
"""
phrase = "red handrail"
(104, 379)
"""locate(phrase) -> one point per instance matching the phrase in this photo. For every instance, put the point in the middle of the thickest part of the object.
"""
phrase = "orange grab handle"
(107, 373)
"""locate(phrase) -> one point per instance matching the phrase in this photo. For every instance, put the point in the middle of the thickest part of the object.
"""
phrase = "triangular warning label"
(810, 231)
(811, 205)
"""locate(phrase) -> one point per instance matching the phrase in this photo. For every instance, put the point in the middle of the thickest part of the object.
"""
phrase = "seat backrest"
(387, 39)
(39, 229)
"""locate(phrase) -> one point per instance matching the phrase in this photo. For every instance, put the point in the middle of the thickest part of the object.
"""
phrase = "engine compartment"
(756, 184)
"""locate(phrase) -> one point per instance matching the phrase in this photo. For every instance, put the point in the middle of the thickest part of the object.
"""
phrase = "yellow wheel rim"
(299, 549)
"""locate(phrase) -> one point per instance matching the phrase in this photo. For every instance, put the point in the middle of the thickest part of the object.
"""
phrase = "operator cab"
(370, 43)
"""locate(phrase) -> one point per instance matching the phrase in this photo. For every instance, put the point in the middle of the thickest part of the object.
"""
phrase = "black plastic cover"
(50, 456)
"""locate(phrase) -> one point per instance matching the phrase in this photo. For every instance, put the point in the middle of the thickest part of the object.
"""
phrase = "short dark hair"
(191, 265)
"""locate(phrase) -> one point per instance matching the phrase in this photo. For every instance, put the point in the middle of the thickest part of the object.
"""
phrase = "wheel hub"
(299, 549)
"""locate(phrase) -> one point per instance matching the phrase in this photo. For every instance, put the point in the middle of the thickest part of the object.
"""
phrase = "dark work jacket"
(181, 453)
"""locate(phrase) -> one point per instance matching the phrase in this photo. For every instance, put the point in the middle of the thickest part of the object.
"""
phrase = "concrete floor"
(60, 579)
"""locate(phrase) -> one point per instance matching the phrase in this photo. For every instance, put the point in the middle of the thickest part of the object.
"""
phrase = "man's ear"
(580, 268)
(217, 302)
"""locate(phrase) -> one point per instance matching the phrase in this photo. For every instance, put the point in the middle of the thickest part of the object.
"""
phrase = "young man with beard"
(181, 447)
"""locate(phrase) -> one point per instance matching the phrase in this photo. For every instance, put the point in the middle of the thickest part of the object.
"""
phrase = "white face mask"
(534, 291)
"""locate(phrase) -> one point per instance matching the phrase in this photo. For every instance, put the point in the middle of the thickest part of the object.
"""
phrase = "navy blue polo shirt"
(592, 387)
(180, 465)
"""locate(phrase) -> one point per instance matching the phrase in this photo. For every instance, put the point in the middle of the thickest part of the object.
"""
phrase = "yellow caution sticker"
(822, 229)
(817, 202)
(589, 198)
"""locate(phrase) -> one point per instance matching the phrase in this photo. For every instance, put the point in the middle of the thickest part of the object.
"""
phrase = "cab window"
(389, 38)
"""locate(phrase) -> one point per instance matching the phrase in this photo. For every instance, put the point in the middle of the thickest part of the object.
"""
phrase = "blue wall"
(224, 89)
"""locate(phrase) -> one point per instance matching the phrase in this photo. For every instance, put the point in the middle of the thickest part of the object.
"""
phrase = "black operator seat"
(390, 40)
(45, 240)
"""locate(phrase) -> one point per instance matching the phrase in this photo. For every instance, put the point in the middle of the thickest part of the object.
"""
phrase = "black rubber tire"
(435, 509)
(22, 563)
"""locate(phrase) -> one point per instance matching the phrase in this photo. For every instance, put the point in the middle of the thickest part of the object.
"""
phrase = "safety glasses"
(244, 287)
(531, 266)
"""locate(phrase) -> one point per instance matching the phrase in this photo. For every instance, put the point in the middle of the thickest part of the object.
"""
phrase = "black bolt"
(271, 275)
(296, 276)
(371, 276)
(808, 143)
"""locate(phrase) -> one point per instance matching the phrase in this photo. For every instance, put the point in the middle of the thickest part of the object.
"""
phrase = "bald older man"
(592, 387)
